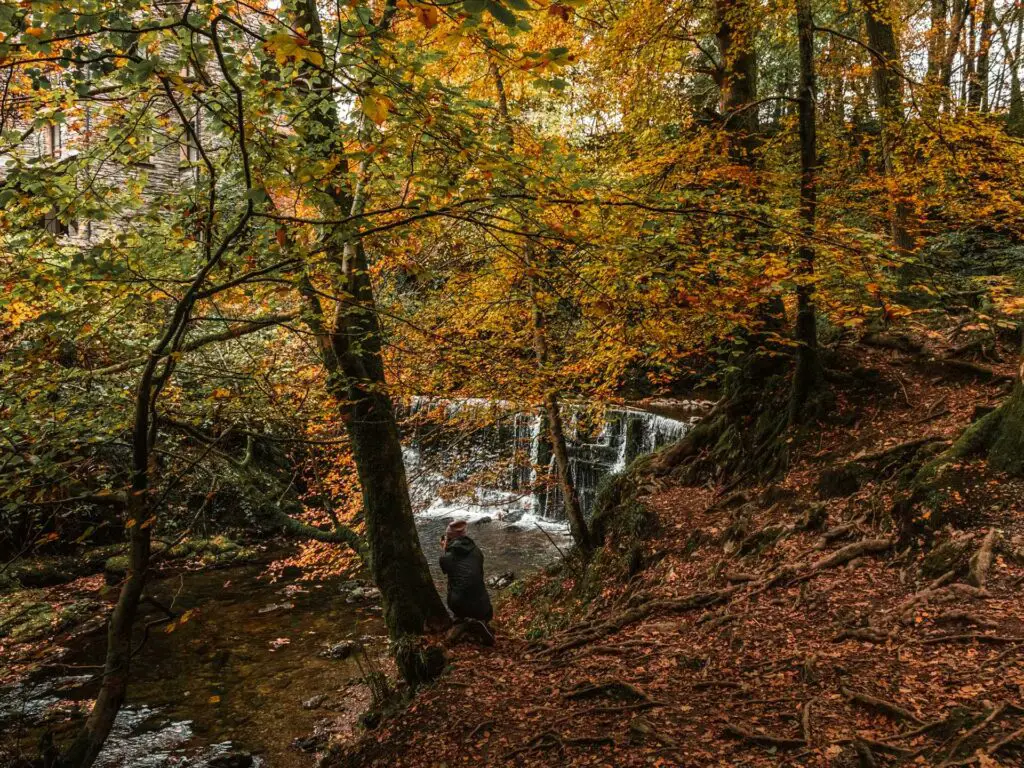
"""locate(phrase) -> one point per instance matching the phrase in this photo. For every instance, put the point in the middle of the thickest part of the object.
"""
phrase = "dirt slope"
(795, 624)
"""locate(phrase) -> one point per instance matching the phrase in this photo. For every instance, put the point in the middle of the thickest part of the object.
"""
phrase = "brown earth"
(789, 624)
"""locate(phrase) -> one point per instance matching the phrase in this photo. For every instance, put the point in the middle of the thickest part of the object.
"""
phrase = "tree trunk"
(351, 349)
(956, 29)
(970, 80)
(885, 69)
(979, 96)
(556, 432)
(937, 42)
(1007, 452)
(90, 739)
(1015, 115)
(808, 376)
(735, 33)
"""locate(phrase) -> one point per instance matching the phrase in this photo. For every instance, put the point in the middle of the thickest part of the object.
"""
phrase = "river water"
(248, 670)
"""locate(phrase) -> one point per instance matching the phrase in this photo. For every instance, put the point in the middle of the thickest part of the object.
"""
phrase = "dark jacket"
(463, 564)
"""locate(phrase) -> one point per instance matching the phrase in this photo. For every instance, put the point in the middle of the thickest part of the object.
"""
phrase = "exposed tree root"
(805, 722)
(925, 594)
(612, 688)
(894, 711)
(865, 757)
(1006, 741)
(865, 635)
(981, 562)
(965, 616)
(481, 727)
(852, 551)
(917, 731)
(967, 637)
(616, 623)
(900, 449)
(762, 738)
(551, 740)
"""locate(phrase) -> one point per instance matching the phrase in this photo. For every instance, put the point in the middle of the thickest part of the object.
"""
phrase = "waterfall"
(475, 458)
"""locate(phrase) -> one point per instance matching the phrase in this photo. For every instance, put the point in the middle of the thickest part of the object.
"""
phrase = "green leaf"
(502, 14)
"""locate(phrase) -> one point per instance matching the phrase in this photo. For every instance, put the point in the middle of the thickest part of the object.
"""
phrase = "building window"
(190, 147)
(58, 228)
(54, 225)
(52, 140)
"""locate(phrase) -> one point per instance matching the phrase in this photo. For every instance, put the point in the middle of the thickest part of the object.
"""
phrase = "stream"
(250, 675)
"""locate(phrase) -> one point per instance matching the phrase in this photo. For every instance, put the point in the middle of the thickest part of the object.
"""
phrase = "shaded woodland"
(238, 240)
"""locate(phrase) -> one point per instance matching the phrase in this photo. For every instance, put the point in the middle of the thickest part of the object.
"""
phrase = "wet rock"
(501, 580)
(315, 702)
(360, 592)
(341, 650)
(276, 607)
(483, 520)
(26, 616)
(310, 743)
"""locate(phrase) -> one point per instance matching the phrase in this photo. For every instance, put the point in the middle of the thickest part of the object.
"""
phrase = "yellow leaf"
(285, 47)
(428, 16)
(376, 107)
(214, 699)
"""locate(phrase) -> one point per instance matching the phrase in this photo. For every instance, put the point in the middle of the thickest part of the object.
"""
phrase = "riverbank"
(257, 667)
(789, 623)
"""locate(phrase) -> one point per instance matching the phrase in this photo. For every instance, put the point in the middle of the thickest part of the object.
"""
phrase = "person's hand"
(444, 543)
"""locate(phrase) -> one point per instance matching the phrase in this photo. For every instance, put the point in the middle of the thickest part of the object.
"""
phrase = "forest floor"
(783, 624)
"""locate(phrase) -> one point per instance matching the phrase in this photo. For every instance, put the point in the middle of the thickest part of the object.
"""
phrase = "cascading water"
(479, 458)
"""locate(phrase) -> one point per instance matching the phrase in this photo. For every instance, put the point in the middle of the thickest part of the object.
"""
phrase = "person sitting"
(463, 563)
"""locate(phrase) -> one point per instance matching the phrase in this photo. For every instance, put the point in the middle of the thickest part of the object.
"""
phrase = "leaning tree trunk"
(808, 375)
(114, 687)
(552, 407)
(556, 432)
(886, 69)
(351, 345)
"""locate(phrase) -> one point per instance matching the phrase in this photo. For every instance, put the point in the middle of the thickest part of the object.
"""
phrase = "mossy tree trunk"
(736, 77)
(998, 436)
(350, 344)
(808, 376)
(1007, 451)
